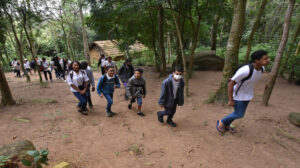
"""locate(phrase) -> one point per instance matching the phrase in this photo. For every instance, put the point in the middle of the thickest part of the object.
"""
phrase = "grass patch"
(135, 150)
(43, 101)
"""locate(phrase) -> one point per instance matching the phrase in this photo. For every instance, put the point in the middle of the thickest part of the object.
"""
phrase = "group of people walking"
(240, 88)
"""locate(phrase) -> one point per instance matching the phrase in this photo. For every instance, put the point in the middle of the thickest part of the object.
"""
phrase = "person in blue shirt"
(106, 87)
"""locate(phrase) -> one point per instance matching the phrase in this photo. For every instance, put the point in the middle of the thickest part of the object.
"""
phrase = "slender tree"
(254, 28)
(231, 58)
(214, 32)
(285, 34)
(161, 39)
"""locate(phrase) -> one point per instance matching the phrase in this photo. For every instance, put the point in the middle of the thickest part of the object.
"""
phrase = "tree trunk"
(18, 45)
(84, 36)
(6, 96)
(185, 73)
(214, 32)
(292, 72)
(231, 58)
(169, 47)
(292, 45)
(285, 34)
(161, 19)
(254, 28)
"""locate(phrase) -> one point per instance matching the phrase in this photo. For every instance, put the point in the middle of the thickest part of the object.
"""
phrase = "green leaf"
(36, 159)
(39, 166)
(33, 153)
(2, 164)
(26, 162)
(44, 152)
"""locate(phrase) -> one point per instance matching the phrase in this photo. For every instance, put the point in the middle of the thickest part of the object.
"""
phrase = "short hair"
(139, 70)
(84, 64)
(127, 60)
(178, 69)
(257, 55)
(44, 59)
(108, 67)
(109, 57)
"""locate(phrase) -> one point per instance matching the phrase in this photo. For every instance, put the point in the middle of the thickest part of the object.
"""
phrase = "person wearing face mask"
(171, 95)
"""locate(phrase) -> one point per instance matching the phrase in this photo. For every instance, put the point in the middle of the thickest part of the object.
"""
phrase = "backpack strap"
(251, 68)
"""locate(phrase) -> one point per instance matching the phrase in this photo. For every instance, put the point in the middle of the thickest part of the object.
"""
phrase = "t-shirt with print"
(245, 93)
(77, 79)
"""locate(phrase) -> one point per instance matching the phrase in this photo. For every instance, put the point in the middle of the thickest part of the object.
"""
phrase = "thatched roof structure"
(110, 48)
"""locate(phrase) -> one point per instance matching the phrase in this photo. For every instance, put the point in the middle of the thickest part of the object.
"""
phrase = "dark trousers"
(102, 70)
(82, 100)
(45, 74)
(88, 94)
(18, 73)
(61, 74)
(169, 112)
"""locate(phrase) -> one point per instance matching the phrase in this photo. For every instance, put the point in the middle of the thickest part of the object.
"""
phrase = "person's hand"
(231, 103)
(161, 106)
(101, 95)
(116, 87)
(144, 96)
(82, 92)
(93, 89)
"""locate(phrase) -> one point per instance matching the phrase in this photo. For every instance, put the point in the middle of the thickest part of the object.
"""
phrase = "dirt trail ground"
(96, 141)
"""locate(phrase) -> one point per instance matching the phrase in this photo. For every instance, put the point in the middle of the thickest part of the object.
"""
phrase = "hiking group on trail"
(240, 88)
(81, 81)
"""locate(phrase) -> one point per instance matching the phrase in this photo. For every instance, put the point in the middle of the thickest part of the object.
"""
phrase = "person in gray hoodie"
(136, 89)
(171, 95)
(89, 73)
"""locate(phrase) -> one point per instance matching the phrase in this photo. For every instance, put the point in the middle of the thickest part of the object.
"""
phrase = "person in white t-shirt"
(46, 69)
(101, 63)
(240, 89)
(27, 66)
(110, 63)
(78, 81)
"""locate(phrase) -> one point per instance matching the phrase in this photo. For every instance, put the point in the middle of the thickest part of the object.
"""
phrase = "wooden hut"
(109, 48)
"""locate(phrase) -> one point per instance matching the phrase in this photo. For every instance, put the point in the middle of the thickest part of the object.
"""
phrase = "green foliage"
(36, 158)
(4, 160)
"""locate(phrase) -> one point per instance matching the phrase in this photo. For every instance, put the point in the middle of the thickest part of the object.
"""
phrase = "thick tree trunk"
(6, 96)
(285, 34)
(254, 28)
(84, 36)
(161, 40)
(169, 47)
(214, 32)
(231, 58)
(291, 47)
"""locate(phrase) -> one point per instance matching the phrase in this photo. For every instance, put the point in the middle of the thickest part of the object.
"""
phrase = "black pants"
(170, 112)
(50, 75)
(18, 73)
(88, 93)
(102, 70)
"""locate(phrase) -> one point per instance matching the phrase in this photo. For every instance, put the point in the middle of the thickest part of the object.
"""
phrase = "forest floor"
(130, 141)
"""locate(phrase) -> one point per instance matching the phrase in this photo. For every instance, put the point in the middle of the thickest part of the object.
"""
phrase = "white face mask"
(177, 77)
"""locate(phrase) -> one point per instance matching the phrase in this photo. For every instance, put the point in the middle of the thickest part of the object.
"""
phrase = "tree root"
(287, 135)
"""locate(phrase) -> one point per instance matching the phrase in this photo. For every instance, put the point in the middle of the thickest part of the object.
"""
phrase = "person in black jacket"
(171, 96)
(125, 73)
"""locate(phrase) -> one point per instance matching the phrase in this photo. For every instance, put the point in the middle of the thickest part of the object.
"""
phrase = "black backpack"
(251, 69)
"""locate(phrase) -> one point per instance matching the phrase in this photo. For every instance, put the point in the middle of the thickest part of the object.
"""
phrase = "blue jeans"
(82, 100)
(109, 98)
(139, 100)
(239, 111)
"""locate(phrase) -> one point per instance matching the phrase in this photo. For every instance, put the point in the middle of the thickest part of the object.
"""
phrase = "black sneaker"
(91, 106)
(160, 118)
(170, 122)
(140, 114)
(108, 113)
(129, 106)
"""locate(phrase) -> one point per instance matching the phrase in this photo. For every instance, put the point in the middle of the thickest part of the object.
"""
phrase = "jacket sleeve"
(145, 90)
(163, 95)
(120, 71)
(117, 82)
(128, 87)
(99, 86)
(92, 79)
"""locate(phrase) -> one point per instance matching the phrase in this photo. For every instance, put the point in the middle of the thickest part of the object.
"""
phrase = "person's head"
(25, 60)
(260, 57)
(102, 56)
(43, 59)
(177, 73)
(110, 70)
(138, 73)
(128, 61)
(109, 59)
(75, 66)
(15, 59)
(84, 65)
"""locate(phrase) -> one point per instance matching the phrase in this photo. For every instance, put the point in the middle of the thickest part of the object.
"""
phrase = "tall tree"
(285, 34)
(254, 28)
(231, 58)
(214, 32)
(84, 35)
(161, 39)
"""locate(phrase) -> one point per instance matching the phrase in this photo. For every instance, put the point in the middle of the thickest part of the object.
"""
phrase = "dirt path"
(96, 141)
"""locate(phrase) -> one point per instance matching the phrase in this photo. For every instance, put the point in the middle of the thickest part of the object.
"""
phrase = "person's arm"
(230, 92)
(99, 62)
(121, 70)
(99, 86)
(128, 88)
(92, 79)
(145, 91)
(162, 97)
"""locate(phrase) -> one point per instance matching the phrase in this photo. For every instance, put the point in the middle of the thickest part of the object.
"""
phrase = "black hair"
(71, 65)
(84, 64)
(102, 55)
(139, 70)
(257, 55)
(178, 69)
(108, 67)
(127, 60)
(44, 59)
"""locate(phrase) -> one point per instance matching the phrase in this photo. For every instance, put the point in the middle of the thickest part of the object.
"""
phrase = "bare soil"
(130, 141)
